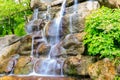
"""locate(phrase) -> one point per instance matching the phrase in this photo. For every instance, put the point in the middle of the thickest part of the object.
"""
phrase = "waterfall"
(51, 66)
(29, 28)
(71, 16)
(35, 14)
(48, 16)
(75, 5)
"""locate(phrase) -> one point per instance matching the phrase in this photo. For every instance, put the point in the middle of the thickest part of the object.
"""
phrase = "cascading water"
(35, 14)
(75, 5)
(48, 16)
(71, 16)
(51, 66)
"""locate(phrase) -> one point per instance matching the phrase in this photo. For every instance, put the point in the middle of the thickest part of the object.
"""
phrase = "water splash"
(49, 67)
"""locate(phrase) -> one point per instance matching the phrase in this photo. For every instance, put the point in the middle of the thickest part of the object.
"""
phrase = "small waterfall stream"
(71, 16)
(50, 65)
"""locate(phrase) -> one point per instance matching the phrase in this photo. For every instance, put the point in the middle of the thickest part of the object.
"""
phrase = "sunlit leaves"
(12, 16)
(103, 32)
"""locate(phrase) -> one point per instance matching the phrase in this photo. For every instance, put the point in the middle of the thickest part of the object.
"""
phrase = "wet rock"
(43, 48)
(77, 65)
(102, 70)
(37, 4)
(35, 25)
(12, 63)
(23, 66)
(7, 47)
(72, 45)
(25, 47)
(110, 3)
(78, 16)
(79, 36)
(49, 66)
(51, 30)
(7, 65)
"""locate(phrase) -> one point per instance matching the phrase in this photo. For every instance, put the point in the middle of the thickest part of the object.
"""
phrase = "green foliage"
(103, 32)
(117, 78)
(13, 16)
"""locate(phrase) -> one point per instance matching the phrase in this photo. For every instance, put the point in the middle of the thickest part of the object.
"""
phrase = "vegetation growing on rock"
(103, 32)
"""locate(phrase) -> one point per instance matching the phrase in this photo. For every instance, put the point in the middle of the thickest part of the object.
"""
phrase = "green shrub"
(117, 78)
(102, 29)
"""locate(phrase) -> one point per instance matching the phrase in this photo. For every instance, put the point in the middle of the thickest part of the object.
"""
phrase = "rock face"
(77, 65)
(7, 48)
(17, 53)
(102, 70)
(23, 66)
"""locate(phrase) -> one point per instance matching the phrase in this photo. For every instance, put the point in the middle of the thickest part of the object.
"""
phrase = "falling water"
(29, 28)
(50, 66)
(70, 24)
(48, 16)
(32, 47)
(71, 16)
(75, 5)
(58, 22)
(35, 14)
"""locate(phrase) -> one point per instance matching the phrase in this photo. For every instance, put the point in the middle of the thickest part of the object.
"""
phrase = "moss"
(72, 69)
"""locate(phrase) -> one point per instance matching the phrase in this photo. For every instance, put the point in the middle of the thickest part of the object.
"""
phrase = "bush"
(102, 29)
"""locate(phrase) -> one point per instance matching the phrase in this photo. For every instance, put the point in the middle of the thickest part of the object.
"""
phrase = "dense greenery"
(103, 32)
(13, 14)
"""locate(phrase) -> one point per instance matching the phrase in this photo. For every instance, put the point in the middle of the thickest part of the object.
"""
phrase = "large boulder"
(77, 65)
(43, 49)
(8, 46)
(25, 46)
(102, 70)
(24, 65)
(72, 45)
(7, 65)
